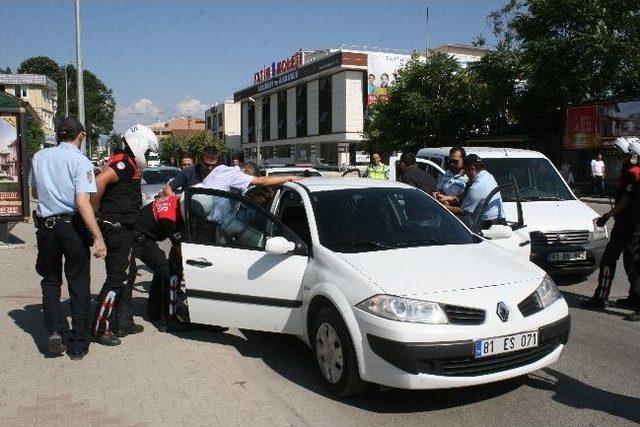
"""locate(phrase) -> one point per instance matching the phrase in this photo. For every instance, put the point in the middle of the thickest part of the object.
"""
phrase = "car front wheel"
(335, 354)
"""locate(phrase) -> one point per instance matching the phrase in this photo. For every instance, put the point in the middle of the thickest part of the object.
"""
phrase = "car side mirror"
(279, 246)
(497, 232)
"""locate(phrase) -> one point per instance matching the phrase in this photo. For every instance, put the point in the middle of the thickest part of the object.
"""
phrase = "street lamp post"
(79, 71)
(255, 126)
(66, 92)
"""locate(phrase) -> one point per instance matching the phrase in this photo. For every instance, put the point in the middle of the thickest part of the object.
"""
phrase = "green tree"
(98, 98)
(170, 149)
(113, 141)
(35, 135)
(570, 51)
(432, 102)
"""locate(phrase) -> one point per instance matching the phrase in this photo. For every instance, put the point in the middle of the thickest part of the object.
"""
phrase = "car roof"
(332, 184)
(289, 169)
(161, 167)
(483, 152)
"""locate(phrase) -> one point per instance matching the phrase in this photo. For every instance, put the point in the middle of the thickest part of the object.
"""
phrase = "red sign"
(276, 68)
(581, 131)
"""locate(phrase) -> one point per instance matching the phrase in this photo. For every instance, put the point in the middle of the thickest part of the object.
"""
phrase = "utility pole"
(79, 71)
(426, 51)
(66, 92)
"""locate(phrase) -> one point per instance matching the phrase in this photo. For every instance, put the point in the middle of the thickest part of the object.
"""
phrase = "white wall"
(354, 117)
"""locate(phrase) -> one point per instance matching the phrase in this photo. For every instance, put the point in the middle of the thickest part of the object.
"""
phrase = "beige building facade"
(223, 121)
(41, 92)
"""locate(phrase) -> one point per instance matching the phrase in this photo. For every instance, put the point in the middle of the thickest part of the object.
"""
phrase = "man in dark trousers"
(62, 180)
(157, 221)
(193, 175)
(414, 176)
(625, 236)
(118, 200)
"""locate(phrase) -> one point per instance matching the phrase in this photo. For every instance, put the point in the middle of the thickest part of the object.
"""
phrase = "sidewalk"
(197, 378)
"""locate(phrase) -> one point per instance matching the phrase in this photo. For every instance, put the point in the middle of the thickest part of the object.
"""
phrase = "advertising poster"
(10, 169)
(380, 73)
(581, 128)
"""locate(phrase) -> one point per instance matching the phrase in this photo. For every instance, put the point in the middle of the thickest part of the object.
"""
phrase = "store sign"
(315, 67)
(11, 179)
(581, 130)
(277, 68)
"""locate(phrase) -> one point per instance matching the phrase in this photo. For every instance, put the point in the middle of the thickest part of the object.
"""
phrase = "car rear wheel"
(335, 355)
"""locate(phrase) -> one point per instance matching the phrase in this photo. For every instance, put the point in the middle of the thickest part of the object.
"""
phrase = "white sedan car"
(384, 284)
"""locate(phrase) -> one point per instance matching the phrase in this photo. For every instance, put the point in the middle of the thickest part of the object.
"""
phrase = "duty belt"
(50, 221)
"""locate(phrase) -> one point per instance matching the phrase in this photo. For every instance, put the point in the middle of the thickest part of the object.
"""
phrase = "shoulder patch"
(630, 187)
(120, 165)
(90, 176)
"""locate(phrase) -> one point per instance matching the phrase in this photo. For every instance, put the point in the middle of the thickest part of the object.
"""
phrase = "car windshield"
(369, 219)
(305, 173)
(537, 179)
(158, 176)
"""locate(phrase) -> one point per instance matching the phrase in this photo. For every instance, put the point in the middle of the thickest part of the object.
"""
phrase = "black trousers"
(115, 302)
(625, 240)
(65, 241)
(148, 251)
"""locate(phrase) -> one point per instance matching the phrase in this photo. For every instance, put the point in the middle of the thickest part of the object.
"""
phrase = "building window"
(220, 119)
(266, 118)
(301, 110)
(266, 152)
(324, 106)
(221, 136)
(251, 122)
(282, 115)
(283, 151)
(21, 91)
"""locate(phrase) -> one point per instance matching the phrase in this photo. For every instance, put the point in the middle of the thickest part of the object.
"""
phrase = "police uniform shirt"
(122, 200)
(481, 185)
(629, 185)
(58, 174)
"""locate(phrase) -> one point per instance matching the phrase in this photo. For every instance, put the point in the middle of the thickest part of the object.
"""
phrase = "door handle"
(200, 262)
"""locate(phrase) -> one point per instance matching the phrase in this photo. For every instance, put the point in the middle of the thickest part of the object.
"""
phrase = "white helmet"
(634, 144)
(140, 140)
(622, 144)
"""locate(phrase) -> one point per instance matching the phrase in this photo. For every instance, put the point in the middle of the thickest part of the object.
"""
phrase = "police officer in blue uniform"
(62, 180)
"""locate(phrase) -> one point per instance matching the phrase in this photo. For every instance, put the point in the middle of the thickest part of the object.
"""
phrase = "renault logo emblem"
(503, 311)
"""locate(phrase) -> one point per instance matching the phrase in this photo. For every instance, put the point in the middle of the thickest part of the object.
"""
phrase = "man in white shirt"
(598, 172)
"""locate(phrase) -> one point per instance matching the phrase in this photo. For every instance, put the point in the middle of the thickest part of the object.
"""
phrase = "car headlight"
(404, 309)
(548, 292)
(599, 232)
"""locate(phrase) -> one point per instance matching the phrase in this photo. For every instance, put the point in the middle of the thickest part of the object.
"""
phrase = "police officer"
(376, 169)
(118, 200)
(159, 220)
(624, 238)
(62, 180)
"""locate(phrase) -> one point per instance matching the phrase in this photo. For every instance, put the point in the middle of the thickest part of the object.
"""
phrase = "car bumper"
(594, 249)
(449, 364)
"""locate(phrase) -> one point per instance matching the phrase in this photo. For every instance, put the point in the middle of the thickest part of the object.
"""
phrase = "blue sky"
(166, 58)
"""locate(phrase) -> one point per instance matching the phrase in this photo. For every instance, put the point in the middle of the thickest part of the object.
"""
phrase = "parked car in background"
(362, 272)
(560, 229)
(154, 179)
(153, 160)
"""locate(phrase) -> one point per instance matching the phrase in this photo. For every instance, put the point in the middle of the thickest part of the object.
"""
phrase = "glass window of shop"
(329, 153)
(266, 153)
(301, 110)
(251, 122)
(266, 118)
(302, 153)
(282, 114)
(283, 151)
(324, 106)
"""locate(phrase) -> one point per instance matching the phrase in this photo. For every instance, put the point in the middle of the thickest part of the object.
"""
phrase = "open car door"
(426, 165)
(242, 267)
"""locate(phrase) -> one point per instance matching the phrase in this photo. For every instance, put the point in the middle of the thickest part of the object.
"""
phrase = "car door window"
(293, 214)
(224, 219)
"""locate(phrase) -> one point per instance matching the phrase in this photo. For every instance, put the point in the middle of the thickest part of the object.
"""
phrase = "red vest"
(167, 208)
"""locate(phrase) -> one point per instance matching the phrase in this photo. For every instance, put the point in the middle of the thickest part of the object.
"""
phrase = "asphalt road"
(243, 375)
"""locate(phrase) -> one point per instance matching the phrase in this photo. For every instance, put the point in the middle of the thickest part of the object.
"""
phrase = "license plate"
(505, 344)
(568, 256)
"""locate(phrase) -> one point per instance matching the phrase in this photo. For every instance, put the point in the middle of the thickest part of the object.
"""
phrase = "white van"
(559, 228)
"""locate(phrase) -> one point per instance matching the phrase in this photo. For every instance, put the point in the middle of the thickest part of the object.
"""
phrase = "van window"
(537, 179)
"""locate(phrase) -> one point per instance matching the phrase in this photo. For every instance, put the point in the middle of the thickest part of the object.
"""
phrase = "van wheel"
(335, 355)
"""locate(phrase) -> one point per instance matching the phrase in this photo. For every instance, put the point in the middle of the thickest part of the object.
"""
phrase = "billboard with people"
(11, 185)
(381, 68)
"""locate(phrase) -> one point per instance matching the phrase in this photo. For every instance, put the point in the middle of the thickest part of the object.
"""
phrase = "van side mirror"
(497, 232)
(279, 246)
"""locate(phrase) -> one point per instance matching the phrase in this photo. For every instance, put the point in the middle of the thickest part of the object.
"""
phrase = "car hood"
(433, 269)
(543, 216)
(152, 189)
